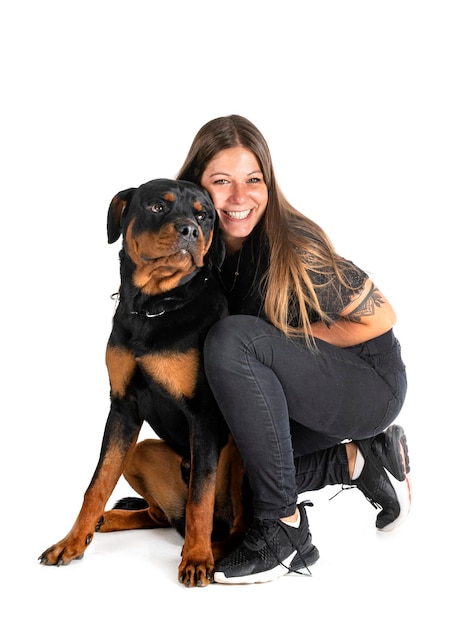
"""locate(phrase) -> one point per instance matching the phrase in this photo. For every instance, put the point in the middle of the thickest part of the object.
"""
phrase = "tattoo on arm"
(366, 308)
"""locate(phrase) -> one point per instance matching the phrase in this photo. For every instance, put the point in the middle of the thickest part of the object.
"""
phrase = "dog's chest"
(175, 372)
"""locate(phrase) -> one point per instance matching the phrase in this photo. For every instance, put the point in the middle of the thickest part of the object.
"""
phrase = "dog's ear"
(116, 212)
(216, 253)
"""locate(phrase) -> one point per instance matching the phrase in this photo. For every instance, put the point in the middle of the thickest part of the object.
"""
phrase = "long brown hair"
(299, 248)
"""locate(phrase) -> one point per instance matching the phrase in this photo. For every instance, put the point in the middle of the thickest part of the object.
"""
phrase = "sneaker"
(385, 477)
(270, 550)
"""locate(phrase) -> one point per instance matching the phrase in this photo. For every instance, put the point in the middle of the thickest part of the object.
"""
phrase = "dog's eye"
(201, 216)
(157, 207)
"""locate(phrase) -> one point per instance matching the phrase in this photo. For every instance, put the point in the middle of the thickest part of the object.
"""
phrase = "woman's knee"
(229, 342)
(224, 337)
(233, 331)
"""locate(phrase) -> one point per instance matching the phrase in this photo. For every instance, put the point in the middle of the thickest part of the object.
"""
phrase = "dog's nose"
(189, 232)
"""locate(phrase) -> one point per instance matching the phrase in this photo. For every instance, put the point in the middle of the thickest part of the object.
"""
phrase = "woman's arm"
(368, 315)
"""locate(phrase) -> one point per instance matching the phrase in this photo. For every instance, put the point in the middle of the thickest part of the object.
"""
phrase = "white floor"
(416, 574)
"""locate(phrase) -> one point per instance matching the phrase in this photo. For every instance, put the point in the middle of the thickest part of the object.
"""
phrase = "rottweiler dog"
(191, 477)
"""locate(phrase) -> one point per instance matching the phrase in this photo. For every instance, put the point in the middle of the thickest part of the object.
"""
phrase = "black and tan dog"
(191, 476)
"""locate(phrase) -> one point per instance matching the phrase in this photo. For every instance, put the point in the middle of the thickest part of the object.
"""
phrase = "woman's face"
(235, 182)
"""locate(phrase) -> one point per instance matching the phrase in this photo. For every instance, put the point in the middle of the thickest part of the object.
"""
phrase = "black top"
(241, 274)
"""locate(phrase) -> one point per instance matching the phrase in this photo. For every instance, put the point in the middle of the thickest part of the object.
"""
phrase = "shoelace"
(289, 568)
(373, 503)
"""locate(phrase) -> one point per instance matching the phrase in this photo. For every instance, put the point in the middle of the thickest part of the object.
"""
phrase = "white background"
(367, 108)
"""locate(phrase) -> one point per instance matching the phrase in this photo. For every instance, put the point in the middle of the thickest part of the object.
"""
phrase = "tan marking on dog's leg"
(230, 476)
(197, 564)
(73, 545)
(121, 366)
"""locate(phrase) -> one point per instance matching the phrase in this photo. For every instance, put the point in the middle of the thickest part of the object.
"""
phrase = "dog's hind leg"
(124, 517)
(155, 473)
(231, 502)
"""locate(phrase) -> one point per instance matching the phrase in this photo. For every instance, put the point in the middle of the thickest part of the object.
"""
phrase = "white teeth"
(238, 215)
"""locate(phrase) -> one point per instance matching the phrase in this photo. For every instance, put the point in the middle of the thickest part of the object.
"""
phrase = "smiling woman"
(306, 370)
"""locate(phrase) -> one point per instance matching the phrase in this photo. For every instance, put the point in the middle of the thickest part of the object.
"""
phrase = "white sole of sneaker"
(260, 577)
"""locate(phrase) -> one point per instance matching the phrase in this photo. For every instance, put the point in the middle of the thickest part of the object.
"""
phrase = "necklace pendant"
(236, 273)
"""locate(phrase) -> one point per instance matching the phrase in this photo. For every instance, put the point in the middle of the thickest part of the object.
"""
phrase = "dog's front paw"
(195, 572)
(65, 551)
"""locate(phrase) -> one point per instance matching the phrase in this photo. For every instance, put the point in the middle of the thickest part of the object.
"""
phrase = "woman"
(306, 369)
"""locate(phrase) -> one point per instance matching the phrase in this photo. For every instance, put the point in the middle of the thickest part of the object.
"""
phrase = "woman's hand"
(368, 315)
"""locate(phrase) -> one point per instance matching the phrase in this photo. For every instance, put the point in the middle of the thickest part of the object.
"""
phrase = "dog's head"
(169, 230)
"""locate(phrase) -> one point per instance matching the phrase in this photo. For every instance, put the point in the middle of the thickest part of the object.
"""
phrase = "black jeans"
(289, 407)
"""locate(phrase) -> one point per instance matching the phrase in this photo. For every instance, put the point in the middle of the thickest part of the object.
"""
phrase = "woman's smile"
(235, 182)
